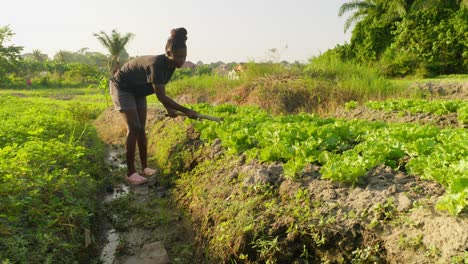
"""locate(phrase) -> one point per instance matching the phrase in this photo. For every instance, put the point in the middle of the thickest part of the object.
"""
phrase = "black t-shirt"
(138, 75)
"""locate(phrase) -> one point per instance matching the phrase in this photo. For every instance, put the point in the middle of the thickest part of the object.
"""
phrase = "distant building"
(189, 64)
(232, 75)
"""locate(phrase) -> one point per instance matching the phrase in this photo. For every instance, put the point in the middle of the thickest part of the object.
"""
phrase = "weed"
(370, 254)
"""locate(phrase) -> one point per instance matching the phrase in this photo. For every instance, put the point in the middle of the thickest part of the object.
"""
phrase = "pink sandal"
(136, 179)
(149, 172)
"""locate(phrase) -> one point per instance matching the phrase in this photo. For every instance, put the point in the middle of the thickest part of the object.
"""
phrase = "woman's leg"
(142, 140)
(134, 129)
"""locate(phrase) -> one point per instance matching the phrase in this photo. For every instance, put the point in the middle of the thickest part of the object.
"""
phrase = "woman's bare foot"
(136, 179)
(149, 171)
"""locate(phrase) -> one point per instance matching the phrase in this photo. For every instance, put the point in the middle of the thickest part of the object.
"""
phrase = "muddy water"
(108, 252)
(115, 162)
(114, 159)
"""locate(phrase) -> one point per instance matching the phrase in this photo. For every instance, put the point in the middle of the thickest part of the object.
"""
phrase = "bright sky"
(235, 30)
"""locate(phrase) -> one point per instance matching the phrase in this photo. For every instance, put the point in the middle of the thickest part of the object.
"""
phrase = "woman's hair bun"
(177, 39)
(179, 34)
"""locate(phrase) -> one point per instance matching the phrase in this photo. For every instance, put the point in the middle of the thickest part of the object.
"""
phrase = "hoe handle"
(201, 116)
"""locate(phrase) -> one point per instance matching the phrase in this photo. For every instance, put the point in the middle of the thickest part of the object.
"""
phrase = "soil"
(399, 211)
(442, 89)
(364, 113)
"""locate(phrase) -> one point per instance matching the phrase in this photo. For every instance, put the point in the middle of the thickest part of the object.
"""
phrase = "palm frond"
(355, 18)
(355, 5)
(115, 44)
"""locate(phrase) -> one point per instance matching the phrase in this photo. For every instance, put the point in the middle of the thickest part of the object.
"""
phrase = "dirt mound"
(448, 90)
(278, 94)
(111, 127)
(401, 219)
(390, 217)
(361, 112)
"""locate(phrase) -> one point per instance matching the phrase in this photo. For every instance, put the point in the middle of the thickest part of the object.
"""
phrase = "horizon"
(238, 31)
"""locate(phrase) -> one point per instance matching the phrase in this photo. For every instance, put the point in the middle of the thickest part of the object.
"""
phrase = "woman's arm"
(169, 104)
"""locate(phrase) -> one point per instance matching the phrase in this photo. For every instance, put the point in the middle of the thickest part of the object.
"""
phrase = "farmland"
(51, 166)
(262, 187)
(258, 187)
(357, 155)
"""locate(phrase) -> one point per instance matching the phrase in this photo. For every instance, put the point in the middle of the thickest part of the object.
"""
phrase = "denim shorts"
(124, 100)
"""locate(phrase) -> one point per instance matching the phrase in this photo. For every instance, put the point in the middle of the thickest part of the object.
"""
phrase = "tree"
(408, 36)
(115, 45)
(203, 70)
(9, 55)
(37, 55)
(436, 39)
(63, 56)
(374, 20)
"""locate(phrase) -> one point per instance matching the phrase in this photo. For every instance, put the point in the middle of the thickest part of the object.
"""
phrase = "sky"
(228, 31)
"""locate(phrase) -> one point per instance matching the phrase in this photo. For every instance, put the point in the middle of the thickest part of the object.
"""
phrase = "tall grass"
(254, 70)
(206, 84)
(359, 81)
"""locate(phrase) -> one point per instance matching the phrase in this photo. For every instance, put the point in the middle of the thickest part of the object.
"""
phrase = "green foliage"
(370, 39)
(436, 40)
(351, 80)
(203, 84)
(183, 73)
(9, 55)
(172, 151)
(254, 70)
(48, 176)
(54, 74)
(424, 38)
(81, 56)
(438, 107)
(203, 70)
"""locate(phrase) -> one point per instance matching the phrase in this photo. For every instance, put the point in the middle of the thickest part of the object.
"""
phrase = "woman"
(129, 87)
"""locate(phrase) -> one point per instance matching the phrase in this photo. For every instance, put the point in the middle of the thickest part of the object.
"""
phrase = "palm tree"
(62, 56)
(362, 8)
(115, 44)
(39, 56)
(385, 11)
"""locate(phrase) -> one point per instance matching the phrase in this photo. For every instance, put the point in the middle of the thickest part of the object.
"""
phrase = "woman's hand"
(191, 114)
(171, 112)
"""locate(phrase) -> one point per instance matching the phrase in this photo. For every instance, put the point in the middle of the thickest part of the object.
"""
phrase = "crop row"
(47, 179)
(345, 150)
(414, 106)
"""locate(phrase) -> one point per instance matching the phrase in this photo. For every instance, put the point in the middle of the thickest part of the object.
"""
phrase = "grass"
(204, 84)
(362, 81)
